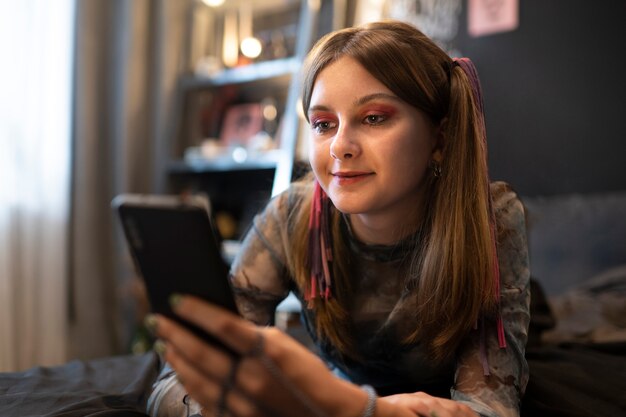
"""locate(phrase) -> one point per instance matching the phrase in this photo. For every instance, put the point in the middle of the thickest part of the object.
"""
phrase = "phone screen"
(177, 250)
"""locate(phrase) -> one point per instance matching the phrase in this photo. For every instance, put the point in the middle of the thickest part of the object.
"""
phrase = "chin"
(347, 207)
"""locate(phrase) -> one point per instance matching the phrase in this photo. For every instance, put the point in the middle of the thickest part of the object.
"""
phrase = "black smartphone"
(176, 249)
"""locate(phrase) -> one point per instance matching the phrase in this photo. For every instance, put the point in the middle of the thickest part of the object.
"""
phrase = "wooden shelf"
(197, 167)
(254, 72)
(264, 160)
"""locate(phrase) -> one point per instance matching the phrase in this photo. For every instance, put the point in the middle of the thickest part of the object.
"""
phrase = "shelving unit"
(265, 70)
(239, 180)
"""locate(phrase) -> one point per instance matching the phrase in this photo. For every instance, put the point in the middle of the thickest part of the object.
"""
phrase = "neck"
(386, 228)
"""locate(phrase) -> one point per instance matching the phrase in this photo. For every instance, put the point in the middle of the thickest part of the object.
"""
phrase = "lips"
(351, 174)
(350, 177)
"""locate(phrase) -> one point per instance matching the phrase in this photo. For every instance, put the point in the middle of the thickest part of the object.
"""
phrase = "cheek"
(407, 156)
(317, 159)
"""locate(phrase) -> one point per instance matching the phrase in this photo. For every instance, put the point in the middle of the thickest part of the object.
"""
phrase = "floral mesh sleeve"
(499, 393)
(258, 275)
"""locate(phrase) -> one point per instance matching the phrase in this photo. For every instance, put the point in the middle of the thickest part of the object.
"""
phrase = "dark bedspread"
(576, 380)
(116, 386)
(565, 381)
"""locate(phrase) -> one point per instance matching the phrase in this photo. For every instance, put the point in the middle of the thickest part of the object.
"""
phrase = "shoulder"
(511, 236)
(505, 198)
(297, 193)
(289, 201)
(282, 211)
(270, 235)
(508, 208)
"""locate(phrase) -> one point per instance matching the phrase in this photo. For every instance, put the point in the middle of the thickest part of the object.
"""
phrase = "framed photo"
(241, 123)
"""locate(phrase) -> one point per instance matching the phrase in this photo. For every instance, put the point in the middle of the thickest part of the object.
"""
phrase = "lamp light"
(213, 3)
(251, 47)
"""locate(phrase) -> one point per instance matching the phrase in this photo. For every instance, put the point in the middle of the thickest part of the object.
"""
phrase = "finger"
(443, 407)
(219, 398)
(420, 403)
(410, 401)
(235, 332)
(398, 399)
(202, 388)
(447, 407)
(211, 360)
(426, 405)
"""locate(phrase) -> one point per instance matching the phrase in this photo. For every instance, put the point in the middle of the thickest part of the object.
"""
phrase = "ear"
(439, 140)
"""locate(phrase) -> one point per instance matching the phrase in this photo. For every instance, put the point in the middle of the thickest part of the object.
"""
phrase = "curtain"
(128, 60)
(87, 98)
(36, 39)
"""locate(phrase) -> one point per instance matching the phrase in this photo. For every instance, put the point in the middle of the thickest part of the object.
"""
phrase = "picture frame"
(241, 123)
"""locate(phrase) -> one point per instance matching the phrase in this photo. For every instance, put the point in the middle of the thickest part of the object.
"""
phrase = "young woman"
(411, 267)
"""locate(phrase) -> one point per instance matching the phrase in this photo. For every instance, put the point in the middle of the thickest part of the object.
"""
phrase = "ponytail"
(457, 279)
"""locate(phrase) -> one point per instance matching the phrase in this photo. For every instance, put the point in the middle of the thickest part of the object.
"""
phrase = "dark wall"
(555, 96)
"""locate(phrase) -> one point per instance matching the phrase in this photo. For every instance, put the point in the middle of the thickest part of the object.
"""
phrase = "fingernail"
(159, 347)
(175, 300)
(151, 323)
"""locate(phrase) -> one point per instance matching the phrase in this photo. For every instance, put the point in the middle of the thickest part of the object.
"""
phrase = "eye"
(374, 119)
(322, 126)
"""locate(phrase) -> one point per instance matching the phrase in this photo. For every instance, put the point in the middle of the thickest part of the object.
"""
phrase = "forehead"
(345, 79)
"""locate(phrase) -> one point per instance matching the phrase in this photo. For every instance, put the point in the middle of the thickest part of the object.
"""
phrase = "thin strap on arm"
(370, 406)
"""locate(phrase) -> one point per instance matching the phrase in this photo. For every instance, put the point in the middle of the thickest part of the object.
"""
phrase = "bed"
(577, 338)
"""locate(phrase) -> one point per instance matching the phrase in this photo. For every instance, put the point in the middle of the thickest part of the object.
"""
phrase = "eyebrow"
(375, 96)
(360, 101)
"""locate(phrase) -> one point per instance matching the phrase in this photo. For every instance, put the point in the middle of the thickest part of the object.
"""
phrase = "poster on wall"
(486, 17)
(438, 19)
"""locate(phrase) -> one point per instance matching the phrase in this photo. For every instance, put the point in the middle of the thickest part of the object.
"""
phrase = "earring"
(436, 168)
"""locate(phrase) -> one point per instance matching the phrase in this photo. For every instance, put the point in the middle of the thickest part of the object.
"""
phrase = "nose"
(344, 146)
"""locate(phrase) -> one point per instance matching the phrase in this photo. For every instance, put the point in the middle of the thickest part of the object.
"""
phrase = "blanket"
(109, 387)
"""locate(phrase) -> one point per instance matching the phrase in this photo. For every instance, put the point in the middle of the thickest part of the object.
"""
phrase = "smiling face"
(369, 150)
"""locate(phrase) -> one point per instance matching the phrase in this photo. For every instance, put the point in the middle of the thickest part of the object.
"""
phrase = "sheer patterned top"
(380, 309)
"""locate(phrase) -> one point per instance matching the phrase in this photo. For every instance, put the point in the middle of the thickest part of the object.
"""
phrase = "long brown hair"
(453, 273)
